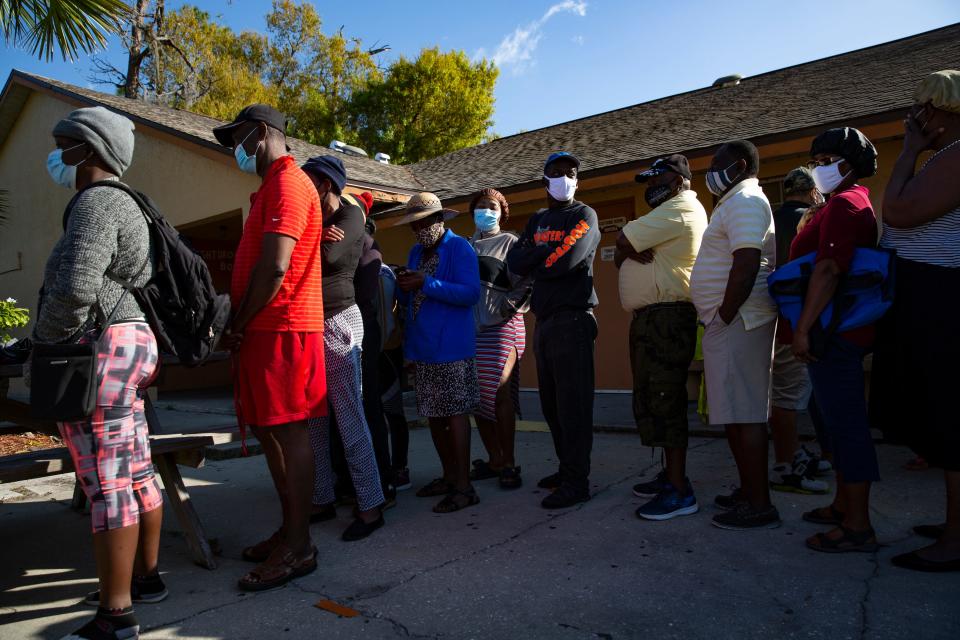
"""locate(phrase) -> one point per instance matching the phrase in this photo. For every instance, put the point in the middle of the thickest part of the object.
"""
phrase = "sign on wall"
(612, 225)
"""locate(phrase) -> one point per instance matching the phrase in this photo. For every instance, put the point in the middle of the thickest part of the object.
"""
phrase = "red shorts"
(279, 377)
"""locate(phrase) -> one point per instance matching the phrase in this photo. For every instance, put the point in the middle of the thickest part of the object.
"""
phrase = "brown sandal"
(436, 487)
(280, 568)
(850, 540)
(456, 500)
(261, 551)
(824, 515)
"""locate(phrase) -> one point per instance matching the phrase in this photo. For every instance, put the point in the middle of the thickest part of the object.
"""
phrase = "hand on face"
(918, 134)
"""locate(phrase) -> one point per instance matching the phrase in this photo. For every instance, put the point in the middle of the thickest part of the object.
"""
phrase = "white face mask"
(828, 178)
(561, 189)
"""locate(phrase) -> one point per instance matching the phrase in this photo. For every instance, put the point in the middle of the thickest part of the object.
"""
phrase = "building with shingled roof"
(196, 184)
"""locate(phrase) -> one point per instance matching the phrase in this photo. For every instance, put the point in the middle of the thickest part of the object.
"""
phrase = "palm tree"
(71, 26)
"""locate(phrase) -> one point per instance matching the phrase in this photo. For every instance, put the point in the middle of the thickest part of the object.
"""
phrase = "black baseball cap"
(256, 113)
(674, 162)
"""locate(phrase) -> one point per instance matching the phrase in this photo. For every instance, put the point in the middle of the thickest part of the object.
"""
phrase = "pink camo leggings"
(111, 448)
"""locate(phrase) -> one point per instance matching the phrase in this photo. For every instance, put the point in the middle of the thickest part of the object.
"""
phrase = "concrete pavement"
(505, 568)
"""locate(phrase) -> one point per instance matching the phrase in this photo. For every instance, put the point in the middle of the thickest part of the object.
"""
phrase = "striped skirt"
(494, 345)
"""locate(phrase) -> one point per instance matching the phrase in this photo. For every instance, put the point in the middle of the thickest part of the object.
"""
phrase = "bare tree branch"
(105, 73)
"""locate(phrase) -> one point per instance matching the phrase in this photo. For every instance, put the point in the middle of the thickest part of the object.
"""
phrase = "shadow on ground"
(505, 568)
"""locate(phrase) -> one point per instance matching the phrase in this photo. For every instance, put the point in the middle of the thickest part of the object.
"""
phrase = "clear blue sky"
(564, 59)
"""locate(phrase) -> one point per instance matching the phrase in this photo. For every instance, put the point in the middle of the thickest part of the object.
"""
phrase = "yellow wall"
(606, 194)
(186, 185)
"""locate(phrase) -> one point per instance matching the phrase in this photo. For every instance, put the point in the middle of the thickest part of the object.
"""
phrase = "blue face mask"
(63, 174)
(486, 219)
(247, 163)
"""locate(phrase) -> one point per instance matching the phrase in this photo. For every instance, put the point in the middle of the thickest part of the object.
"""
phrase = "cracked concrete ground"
(505, 568)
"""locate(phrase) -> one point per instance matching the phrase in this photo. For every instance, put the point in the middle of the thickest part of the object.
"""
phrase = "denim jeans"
(839, 389)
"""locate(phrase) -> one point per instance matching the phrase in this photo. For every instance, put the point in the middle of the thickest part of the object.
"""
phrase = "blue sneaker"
(670, 503)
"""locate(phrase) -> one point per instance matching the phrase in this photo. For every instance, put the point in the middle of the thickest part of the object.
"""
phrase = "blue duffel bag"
(864, 294)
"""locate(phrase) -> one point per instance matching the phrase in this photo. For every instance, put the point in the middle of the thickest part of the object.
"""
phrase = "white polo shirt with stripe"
(742, 219)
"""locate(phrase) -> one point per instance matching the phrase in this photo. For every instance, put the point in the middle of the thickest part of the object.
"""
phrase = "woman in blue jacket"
(439, 288)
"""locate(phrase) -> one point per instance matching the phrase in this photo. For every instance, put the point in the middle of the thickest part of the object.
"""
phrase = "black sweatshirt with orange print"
(557, 248)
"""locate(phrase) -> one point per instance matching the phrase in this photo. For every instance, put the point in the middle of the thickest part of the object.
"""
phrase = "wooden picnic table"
(167, 451)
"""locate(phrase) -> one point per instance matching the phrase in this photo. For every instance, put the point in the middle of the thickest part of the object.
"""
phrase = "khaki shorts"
(791, 384)
(737, 367)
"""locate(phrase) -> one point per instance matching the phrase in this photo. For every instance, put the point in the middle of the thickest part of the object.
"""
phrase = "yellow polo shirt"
(673, 230)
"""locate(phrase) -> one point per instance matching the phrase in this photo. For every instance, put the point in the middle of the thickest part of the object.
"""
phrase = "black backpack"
(184, 310)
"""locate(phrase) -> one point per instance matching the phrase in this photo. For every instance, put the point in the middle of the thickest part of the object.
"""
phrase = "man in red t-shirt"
(276, 333)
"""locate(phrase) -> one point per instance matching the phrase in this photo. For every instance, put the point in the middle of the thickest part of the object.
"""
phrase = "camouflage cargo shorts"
(663, 339)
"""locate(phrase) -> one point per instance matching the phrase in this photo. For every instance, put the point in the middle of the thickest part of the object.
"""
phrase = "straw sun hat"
(424, 205)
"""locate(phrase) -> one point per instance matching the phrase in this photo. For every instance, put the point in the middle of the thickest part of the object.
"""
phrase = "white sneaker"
(799, 476)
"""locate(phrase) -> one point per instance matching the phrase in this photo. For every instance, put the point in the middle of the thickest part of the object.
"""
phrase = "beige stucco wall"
(187, 185)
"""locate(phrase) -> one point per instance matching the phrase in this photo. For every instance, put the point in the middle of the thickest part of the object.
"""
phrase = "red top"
(845, 223)
(286, 203)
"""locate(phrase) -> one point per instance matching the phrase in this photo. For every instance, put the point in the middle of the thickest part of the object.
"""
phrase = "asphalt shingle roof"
(842, 88)
(199, 128)
(832, 90)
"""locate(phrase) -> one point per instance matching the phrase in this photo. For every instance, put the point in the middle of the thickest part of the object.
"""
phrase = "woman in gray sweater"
(105, 232)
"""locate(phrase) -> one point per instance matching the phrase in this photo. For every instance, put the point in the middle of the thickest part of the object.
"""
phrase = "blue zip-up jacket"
(444, 330)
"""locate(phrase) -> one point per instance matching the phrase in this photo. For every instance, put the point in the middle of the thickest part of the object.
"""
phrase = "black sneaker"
(552, 481)
(143, 590)
(565, 496)
(107, 626)
(510, 478)
(746, 517)
(401, 479)
(358, 529)
(323, 512)
(731, 501)
(651, 487)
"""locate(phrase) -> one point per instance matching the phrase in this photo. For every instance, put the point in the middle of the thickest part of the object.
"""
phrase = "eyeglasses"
(823, 163)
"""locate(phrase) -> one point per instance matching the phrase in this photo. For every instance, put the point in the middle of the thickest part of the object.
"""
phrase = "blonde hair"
(807, 216)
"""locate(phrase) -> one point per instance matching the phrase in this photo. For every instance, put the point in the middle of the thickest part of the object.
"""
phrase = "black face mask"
(655, 196)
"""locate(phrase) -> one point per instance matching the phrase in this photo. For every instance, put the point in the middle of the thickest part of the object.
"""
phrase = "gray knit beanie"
(109, 134)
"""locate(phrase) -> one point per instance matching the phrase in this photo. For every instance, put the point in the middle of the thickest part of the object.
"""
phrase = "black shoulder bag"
(63, 377)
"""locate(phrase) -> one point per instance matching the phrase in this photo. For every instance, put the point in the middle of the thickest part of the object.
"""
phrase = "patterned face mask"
(428, 236)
